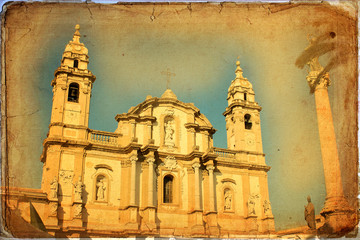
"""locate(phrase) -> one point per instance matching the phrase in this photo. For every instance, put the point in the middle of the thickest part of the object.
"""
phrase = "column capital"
(133, 158)
(196, 165)
(150, 160)
(210, 167)
(316, 82)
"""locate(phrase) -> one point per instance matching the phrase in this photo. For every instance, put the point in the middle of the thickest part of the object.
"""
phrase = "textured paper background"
(130, 45)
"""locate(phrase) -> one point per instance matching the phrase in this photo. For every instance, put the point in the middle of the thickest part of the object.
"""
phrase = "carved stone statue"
(53, 208)
(169, 132)
(310, 214)
(227, 200)
(251, 206)
(267, 208)
(78, 187)
(54, 186)
(100, 190)
(78, 210)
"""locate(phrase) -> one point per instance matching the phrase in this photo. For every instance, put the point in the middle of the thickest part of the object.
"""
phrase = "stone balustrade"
(224, 153)
(107, 138)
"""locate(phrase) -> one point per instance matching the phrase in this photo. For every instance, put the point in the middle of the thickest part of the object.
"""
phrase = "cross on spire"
(168, 75)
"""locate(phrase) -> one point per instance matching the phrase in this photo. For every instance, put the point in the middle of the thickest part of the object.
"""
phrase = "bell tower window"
(168, 189)
(76, 63)
(245, 96)
(73, 95)
(247, 120)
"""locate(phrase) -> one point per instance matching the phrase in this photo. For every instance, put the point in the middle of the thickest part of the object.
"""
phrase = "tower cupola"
(240, 89)
(75, 54)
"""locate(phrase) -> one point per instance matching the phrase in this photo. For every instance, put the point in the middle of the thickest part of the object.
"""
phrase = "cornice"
(127, 117)
(244, 104)
(72, 71)
(240, 165)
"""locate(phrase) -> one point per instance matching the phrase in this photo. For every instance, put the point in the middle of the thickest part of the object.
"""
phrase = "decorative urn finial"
(77, 35)
(238, 71)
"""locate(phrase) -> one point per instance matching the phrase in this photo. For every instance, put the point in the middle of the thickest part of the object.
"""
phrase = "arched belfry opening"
(73, 95)
(76, 63)
(168, 189)
(247, 121)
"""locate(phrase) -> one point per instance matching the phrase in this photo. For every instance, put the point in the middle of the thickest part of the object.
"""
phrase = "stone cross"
(168, 75)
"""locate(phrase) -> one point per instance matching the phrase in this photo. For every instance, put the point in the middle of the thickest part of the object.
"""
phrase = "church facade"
(158, 174)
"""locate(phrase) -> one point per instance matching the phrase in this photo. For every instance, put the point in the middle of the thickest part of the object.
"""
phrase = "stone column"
(336, 211)
(133, 160)
(196, 167)
(151, 161)
(211, 168)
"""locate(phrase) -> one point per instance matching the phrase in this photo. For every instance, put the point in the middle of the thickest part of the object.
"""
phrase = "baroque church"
(158, 174)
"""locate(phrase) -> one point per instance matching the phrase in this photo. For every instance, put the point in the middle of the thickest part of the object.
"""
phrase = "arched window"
(76, 63)
(245, 96)
(101, 188)
(73, 95)
(247, 120)
(168, 189)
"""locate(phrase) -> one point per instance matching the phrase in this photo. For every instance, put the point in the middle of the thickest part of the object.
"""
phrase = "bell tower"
(242, 115)
(72, 91)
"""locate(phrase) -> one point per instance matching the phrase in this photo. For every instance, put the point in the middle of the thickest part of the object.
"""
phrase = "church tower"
(64, 147)
(72, 91)
(242, 115)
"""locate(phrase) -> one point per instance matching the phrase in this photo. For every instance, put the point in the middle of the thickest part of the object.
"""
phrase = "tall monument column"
(337, 212)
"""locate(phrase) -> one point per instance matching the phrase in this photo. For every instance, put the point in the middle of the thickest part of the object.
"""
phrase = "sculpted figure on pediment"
(251, 205)
(267, 208)
(54, 186)
(78, 187)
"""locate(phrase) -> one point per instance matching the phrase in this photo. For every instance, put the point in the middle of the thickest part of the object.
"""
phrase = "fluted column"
(151, 161)
(196, 167)
(211, 168)
(133, 160)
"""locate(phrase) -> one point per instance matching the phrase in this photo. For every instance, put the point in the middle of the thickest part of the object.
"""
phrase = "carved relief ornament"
(170, 162)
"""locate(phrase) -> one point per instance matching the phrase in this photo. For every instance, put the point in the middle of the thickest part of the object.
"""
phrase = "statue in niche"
(267, 208)
(100, 194)
(251, 206)
(54, 186)
(169, 132)
(310, 214)
(78, 187)
(227, 200)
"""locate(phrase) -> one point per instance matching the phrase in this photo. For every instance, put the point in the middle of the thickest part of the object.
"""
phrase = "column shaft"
(196, 167)
(151, 183)
(211, 188)
(328, 146)
(133, 181)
